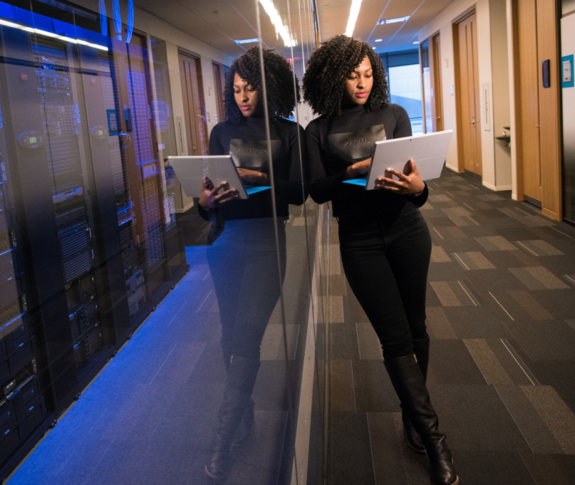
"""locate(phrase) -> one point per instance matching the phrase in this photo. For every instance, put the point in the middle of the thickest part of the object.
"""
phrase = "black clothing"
(335, 144)
(244, 269)
(384, 241)
(386, 267)
(243, 260)
(247, 143)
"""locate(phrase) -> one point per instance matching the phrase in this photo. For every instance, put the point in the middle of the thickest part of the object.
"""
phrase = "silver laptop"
(191, 170)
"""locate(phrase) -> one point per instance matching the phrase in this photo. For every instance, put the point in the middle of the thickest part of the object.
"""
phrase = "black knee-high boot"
(247, 423)
(242, 376)
(421, 349)
(409, 385)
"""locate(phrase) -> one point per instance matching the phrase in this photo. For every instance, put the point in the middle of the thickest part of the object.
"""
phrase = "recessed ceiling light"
(246, 41)
(352, 19)
(280, 26)
(393, 21)
(416, 42)
(378, 40)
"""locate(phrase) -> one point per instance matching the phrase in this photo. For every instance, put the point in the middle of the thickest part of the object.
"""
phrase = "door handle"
(438, 118)
(473, 122)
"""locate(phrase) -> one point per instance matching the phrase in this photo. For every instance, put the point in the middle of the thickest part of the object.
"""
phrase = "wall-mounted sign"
(567, 71)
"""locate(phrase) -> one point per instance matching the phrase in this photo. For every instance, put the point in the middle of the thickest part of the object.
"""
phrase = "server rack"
(22, 408)
(97, 246)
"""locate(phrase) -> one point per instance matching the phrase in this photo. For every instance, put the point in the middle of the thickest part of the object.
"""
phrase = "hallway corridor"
(501, 316)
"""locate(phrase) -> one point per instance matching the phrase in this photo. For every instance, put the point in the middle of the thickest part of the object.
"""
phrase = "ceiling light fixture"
(275, 18)
(378, 40)
(393, 21)
(247, 41)
(416, 42)
(51, 34)
(353, 13)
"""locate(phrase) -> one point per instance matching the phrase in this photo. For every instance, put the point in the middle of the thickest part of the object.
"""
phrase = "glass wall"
(160, 262)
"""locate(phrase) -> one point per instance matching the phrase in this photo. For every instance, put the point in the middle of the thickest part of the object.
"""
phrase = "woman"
(243, 260)
(384, 241)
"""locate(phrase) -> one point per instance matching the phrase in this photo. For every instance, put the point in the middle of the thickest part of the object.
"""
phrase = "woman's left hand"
(253, 177)
(409, 182)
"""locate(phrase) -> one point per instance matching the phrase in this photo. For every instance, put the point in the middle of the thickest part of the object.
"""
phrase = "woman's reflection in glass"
(243, 259)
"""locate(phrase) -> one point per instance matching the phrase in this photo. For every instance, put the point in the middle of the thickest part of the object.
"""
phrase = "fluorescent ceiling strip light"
(90, 44)
(51, 34)
(378, 40)
(276, 20)
(353, 14)
(16, 26)
(247, 41)
(393, 21)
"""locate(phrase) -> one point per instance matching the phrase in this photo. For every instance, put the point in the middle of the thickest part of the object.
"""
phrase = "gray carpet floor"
(501, 315)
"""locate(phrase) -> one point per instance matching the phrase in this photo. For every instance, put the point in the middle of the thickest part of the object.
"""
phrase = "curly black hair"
(279, 84)
(330, 65)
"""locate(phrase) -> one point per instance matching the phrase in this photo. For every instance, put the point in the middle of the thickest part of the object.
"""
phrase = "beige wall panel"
(500, 94)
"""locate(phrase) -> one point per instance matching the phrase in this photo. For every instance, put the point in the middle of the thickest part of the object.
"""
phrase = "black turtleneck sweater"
(335, 144)
(247, 143)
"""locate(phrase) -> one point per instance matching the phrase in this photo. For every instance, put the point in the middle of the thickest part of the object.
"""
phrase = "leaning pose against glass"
(384, 241)
(243, 259)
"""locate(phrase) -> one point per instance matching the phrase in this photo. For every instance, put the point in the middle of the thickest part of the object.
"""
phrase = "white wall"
(494, 176)
(568, 94)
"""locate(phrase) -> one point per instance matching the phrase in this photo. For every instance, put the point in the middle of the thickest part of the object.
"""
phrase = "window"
(405, 90)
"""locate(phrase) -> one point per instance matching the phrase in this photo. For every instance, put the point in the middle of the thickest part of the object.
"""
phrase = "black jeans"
(386, 264)
(244, 269)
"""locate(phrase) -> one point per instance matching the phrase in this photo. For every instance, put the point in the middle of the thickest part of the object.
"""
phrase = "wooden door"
(194, 106)
(467, 80)
(219, 85)
(436, 87)
(528, 81)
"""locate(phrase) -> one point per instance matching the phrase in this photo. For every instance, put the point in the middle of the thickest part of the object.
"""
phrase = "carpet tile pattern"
(501, 315)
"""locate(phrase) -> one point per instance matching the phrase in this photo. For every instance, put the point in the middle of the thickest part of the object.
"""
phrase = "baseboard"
(497, 188)
(185, 209)
(451, 167)
(551, 215)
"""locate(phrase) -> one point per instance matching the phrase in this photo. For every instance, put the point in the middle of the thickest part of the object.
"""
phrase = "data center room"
(112, 362)
(137, 322)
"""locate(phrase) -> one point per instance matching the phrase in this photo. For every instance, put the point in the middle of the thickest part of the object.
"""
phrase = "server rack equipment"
(22, 406)
(87, 243)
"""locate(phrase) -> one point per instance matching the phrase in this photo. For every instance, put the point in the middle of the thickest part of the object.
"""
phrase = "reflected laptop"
(427, 151)
(191, 171)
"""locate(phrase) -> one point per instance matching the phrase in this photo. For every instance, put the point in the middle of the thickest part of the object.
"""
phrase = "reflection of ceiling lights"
(246, 41)
(353, 13)
(378, 40)
(281, 28)
(416, 42)
(393, 21)
(50, 34)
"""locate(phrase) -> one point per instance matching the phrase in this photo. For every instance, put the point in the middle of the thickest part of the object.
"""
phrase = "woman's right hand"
(358, 169)
(210, 196)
